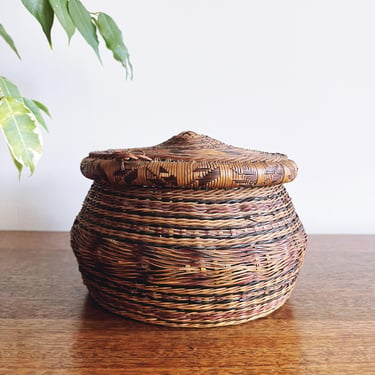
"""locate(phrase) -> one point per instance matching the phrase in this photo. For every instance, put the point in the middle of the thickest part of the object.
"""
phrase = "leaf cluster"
(72, 15)
(20, 117)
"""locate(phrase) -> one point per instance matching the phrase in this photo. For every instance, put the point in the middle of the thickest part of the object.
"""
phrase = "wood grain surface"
(49, 325)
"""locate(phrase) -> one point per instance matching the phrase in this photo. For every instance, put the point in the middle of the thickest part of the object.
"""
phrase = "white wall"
(296, 77)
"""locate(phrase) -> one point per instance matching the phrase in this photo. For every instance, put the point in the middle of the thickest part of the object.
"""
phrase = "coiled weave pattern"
(188, 257)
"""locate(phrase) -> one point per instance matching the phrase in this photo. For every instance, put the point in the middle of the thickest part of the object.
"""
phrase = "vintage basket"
(189, 233)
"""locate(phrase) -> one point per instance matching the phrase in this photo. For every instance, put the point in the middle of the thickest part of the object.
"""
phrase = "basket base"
(187, 321)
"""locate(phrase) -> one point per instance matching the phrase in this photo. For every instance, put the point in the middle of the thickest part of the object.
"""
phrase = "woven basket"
(189, 233)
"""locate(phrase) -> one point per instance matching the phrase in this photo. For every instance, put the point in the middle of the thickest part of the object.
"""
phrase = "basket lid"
(189, 160)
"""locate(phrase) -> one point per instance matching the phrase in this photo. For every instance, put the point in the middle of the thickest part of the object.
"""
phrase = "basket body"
(189, 257)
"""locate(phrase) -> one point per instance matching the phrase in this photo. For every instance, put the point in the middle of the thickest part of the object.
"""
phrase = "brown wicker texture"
(187, 257)
(189, 160)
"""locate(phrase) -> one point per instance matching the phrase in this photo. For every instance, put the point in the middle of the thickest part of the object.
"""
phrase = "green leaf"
(16, 163)
(42, 11)
(112, 36)
(83, 22)
(60, 7)
(34, 109)
(9, 40)
(8, 88)
(42, 107)
(20, 132)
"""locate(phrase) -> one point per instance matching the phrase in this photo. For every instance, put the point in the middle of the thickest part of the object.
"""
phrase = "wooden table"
(49, 325)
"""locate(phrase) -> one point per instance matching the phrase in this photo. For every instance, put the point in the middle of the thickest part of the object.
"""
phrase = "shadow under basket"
(189, 233)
